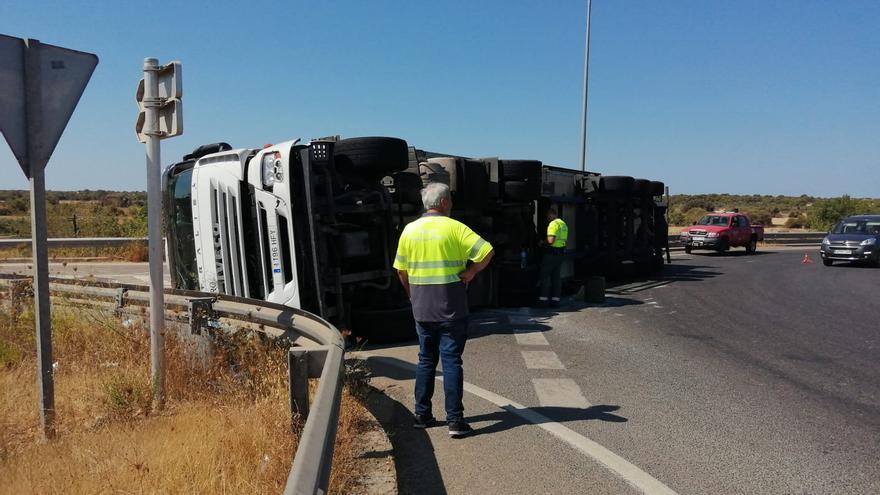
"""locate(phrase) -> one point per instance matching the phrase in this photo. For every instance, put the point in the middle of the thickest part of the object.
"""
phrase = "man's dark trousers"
(441, 341)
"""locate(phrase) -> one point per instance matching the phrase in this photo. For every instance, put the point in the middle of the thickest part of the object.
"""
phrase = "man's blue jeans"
(441, 341)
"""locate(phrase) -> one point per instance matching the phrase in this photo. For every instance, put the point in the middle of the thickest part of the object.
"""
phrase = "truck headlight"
(712, 234)
(826, 242)
(869, 242)
(684, 233)
(271, 169)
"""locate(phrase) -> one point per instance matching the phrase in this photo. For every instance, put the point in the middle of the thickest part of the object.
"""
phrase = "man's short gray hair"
(433, 193)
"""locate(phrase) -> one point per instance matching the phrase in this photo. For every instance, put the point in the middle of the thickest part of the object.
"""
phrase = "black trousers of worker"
(549, 275)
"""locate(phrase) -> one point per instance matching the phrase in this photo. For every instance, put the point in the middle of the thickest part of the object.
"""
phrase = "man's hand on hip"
(466, 276)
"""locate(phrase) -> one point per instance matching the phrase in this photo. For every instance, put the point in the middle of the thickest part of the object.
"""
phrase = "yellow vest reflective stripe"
(435, 249)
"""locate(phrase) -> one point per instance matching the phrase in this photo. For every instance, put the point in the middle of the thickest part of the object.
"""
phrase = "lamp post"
(586, 86)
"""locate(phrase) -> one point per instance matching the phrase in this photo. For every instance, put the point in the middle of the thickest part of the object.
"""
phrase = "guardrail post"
(200, 310)
(120, 298)
(21, 290)
(303, 364)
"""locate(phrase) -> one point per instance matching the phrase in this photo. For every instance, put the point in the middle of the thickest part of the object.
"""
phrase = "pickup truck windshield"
(181, 244)
(863, 227)
(713, 220)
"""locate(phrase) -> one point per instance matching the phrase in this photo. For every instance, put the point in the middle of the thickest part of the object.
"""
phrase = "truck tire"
(371, 157)
(616, 184)
(473, 185)
(520, 170)
(657, 188)
(521, 191)
(688, 249)
(752, 246)
(724, 245)
(642, 187)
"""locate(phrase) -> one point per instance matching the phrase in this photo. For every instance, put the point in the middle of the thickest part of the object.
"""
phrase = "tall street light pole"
(586, 86)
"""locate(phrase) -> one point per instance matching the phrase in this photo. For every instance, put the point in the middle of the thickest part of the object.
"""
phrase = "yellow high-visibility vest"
(558, 229)
(434, 249)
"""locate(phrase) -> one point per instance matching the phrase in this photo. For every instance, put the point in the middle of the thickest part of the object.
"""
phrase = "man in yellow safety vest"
(551, 263)
(431, 261)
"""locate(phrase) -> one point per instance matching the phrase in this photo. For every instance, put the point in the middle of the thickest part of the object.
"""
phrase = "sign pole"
(39, 243)
(586, 88)
(152, 103)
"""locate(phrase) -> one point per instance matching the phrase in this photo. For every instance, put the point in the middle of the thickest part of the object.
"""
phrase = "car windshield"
(713, 220)
(179, 229)
(863, 227)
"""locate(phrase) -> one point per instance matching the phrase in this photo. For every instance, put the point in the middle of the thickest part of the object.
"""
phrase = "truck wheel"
(657, 188)
(642, 187)
(827, 262)
(521, 191)
(520, 169)
(688, 249)
(616, 183)
(371, 157)
(724, 245)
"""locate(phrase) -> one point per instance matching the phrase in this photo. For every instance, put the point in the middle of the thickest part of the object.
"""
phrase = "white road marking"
(559, 392)
(542, 360)
(529, 337)
(627, 471)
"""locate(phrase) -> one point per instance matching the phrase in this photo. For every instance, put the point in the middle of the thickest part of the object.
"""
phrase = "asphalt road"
(742, 374)
(730, 374)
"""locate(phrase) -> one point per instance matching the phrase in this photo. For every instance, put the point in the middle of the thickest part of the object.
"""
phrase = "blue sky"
(749, 97)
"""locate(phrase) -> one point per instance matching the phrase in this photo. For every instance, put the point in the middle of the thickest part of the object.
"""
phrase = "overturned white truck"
(314, 224)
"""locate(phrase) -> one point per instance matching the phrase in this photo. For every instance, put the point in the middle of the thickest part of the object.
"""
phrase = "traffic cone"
(807, 259)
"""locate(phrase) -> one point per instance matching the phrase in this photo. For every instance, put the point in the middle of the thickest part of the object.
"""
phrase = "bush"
(126, 396)
(760, 216)
(825, 213)
(799, 222)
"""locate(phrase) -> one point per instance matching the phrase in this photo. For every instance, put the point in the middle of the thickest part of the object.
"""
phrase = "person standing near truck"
(551, 264)
(431, 261)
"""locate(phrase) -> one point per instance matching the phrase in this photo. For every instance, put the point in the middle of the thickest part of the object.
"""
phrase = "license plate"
(698, 243)
(842, 251)
(699, 239)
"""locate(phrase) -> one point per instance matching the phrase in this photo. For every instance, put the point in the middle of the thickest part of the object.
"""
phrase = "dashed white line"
(529, 337)
(559, 392)
(542, 360)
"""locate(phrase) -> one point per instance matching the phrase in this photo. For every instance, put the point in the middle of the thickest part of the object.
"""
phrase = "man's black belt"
(556, 250)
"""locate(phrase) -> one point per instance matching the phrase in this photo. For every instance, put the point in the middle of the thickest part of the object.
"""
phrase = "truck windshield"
(713, 220)
(179, 229)
(863, 227)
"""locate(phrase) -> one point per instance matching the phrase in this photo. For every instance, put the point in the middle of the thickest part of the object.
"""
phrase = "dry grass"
(134, 251)
(226, 427)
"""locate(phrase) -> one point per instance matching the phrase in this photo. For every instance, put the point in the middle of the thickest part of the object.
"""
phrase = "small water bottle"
(523, 259)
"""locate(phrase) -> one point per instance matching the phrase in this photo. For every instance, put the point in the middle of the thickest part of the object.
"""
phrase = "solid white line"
(628, 472)
(542, 360)
(529, 337)
(559, 392)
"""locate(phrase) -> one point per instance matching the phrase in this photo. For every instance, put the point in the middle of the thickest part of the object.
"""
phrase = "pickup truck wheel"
(827, 262)
(723, 245)
(687, 249)
(371, 157)
(519, 170)
(752, 246)
(616, 183)
(521, 191)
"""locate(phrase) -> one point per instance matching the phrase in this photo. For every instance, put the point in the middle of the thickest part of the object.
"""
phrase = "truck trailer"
(313, 224)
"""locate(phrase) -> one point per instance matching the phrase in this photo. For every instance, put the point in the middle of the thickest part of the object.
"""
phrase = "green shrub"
(126, 396)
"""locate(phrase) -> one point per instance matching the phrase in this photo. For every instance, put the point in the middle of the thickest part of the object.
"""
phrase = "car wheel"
(688, 249)
(371, 157)
(827, 262)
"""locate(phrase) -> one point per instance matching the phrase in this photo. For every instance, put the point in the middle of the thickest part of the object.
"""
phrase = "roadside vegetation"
(783, 212)
(226, 427)
(77, 214)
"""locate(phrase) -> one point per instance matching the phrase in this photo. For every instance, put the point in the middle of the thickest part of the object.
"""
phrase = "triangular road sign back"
(63, 76)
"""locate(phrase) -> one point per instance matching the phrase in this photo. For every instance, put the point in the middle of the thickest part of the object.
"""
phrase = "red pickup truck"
(722, 231)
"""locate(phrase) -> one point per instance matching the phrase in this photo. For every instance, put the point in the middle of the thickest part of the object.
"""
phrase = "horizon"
(776, 98)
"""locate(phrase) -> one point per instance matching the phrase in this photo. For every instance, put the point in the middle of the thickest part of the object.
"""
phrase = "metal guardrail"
(773, 238)
(318, 353)
(68, 242)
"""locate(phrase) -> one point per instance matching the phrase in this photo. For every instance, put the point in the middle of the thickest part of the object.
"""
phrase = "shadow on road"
(507, 419)
(414, 459)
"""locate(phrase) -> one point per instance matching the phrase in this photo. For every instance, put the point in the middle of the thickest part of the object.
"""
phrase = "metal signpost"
(40, 85)
(586, 87)
(160, 116)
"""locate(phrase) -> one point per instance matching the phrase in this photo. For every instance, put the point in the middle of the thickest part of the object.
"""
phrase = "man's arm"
(404, 280)
(475, 268)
